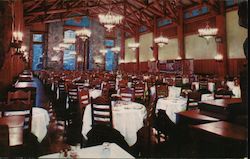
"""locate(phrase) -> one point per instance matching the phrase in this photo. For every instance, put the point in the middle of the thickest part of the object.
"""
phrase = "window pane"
(109, 43)
(37, 57)
(38, 37)
(69, 34)
(109, 65)
(69, 60)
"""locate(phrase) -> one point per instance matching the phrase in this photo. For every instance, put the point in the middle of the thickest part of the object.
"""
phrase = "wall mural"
(96, 43)
(176, 66)
(55, 37)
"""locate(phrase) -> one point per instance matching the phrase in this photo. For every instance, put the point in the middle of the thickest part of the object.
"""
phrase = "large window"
(69, 58)
(109, 65)
(37, 62)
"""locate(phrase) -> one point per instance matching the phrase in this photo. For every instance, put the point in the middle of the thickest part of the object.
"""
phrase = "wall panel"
(236, 36)
(198, 48)
(145, 43)
(169, 51)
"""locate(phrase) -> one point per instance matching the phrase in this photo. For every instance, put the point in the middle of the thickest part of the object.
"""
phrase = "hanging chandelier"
(103, 51)
(110, 20)
(84, 33)
(207, 32)
(161, 41)
(133, 46)
(116, 49)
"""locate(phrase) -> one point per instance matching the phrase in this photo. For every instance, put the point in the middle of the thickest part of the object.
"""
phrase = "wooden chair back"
(19, 108)
(161, 90)
(19, 95)
(178, 81)
(193, 99)
(72, 93)
(203, 84)
(101, 111)
(15, 125)
(83, 96)
(139, 90)
(127, 94)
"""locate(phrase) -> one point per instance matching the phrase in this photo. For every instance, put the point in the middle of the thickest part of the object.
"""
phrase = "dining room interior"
(124, 78)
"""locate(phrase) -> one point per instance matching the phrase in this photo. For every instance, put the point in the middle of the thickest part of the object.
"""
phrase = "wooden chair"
(96, 84)
(20, 108)
(101, 112)
(203, 84)
(123, 84)
(4, 141)
(105, 89)
(15, 127)
(161, 90)
(193, 99)
(19, 95)
(72, 93)
(178, 81)
(127, 94)
(112, 83)
(83, 96)
(139, 90)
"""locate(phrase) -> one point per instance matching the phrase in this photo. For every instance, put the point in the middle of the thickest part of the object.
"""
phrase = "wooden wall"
(12, 64)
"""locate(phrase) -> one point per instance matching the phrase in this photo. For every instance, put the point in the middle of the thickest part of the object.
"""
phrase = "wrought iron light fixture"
(84, 33)
(208, 32)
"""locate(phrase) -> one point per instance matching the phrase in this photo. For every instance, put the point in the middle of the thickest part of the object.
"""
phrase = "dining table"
(128, 118)
(40, 122)
(106, 150)
(171, 106)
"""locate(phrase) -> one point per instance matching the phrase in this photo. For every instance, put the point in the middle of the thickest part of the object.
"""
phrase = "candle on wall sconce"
(17, 39)
(218, 57)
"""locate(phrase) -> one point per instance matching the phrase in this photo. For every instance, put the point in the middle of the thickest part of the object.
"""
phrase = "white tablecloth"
(127, 119)
(97, 152)
(40, 121)
(94, 93)
(171, 106)
(211, 86)
(236, 92)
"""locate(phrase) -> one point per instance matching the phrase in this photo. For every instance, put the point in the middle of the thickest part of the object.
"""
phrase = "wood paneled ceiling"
(136, 12)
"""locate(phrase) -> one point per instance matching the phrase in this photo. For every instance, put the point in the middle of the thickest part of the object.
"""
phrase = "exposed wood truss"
(136, 12)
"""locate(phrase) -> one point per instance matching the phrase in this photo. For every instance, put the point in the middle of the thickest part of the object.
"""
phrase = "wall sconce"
(218, 57)
(218, 39)
(17, 40)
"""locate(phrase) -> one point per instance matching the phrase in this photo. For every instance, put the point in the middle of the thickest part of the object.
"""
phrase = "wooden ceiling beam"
(147, 7)
(36, 4)
(62, 10)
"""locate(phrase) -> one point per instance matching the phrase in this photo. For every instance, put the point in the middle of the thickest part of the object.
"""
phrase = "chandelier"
(109, 20)
(84, 33)
(133, 46)
(161, 41)
(116, 49)
(207, 32)
(103, 51)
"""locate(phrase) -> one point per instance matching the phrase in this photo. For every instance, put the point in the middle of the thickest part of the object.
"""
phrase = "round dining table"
(171, 106)
(127, 119)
